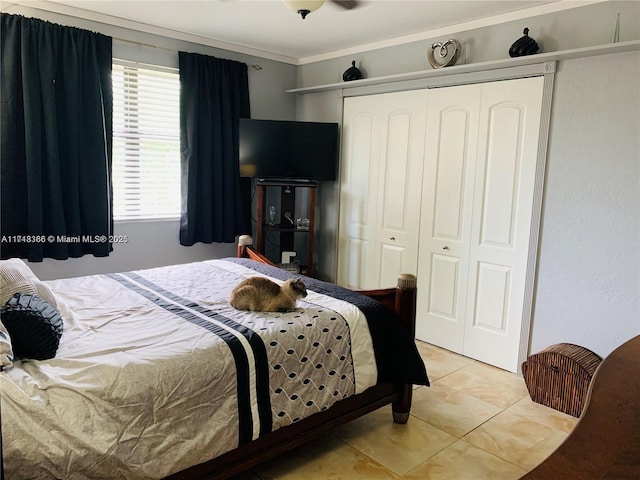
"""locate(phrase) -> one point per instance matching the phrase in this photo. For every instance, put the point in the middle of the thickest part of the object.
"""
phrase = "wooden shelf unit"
(287, 231)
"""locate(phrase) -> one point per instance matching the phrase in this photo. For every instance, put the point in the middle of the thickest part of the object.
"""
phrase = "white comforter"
(145, 385)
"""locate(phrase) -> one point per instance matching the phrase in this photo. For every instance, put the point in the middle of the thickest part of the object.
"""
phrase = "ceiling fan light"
(304, 7)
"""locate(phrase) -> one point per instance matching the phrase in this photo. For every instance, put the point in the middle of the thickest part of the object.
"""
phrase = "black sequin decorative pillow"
(35, 327)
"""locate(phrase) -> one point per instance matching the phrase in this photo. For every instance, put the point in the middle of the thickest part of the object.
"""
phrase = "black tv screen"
(280, 149)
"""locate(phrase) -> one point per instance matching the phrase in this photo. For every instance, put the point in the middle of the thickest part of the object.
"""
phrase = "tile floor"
(475, 422)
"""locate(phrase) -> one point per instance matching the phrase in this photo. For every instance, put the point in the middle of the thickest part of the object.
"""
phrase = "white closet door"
(400, 184)
(361, 128)
(479, 180)
(502, 208)
(380, 185)
(445, 228)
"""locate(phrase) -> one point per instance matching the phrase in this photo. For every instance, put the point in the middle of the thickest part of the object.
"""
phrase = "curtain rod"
(255, 66)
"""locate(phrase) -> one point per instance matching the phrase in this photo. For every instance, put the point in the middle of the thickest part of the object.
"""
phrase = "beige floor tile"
(326, 458)
(451, 410)
(398, 447)
(516, 438)
(440, 362)
(489, 384)
(462, 461)
(546, 415)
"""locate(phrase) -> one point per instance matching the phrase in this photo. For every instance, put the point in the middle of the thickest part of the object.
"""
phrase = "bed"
(157, 376)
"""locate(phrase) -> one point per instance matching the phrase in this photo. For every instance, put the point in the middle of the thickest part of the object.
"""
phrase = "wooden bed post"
(406, 297)
(244, 241)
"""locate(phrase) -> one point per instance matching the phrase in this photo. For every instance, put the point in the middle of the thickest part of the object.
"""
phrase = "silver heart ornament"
(443, 54)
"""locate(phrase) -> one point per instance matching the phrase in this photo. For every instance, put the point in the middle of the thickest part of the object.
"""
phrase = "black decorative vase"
(352, 73)
(525, 45)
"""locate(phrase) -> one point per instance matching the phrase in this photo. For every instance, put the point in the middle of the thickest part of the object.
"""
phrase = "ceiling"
(268, 28)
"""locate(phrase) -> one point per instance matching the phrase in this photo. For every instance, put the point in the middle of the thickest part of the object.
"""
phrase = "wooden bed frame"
(402, 300)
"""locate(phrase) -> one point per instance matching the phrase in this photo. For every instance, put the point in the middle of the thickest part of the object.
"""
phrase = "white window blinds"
(146, 142)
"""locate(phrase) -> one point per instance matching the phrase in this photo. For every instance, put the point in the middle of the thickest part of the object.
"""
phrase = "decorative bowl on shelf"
(525, 45)
(352, 73)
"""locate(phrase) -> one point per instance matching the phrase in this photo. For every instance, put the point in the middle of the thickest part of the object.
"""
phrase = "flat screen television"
(280, 149)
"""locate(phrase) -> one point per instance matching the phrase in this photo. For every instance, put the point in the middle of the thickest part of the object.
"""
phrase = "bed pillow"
(6, 351)
(35, 327)
(17, 277)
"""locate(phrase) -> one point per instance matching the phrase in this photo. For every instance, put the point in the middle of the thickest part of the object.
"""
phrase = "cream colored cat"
(262, 295)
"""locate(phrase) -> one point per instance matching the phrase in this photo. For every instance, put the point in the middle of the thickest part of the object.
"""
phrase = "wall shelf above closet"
(541, 59)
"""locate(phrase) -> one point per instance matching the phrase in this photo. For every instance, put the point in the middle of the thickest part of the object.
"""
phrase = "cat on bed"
(260, 294)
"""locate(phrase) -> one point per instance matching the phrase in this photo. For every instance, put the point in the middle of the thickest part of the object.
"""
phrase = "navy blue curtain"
(214, 95)
(56, 124)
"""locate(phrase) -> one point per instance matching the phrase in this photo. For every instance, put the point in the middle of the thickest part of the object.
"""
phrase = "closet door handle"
(445, 248)
(392, 238)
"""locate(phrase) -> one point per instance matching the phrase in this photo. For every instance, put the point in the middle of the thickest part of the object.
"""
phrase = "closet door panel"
(445, 227)
(502, 165)
(491, 308)
(501, 227)
(391, 259)
(445, 284)
(400, 183)
(357, 175)
(450, 174)
(354, 267)
(358, 193)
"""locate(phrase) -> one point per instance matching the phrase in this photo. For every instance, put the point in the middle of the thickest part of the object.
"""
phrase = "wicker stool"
(559, 376)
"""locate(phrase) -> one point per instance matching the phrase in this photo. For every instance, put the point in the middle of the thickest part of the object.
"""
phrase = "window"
(146, 142)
